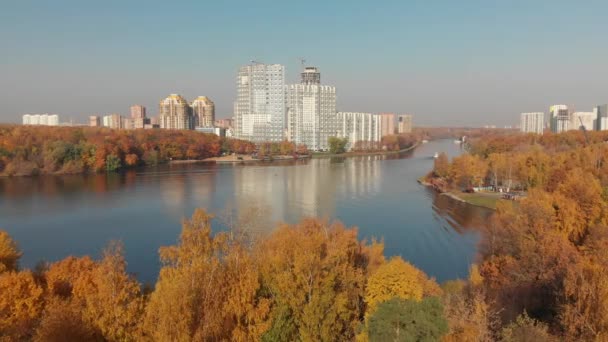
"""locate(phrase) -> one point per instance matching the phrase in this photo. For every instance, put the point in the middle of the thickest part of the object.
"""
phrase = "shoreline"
(363, 154)
(472, 200)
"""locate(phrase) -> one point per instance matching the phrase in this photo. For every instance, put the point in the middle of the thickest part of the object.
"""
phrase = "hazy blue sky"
(446, 62)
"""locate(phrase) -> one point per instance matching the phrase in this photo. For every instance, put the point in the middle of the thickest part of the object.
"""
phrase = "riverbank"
(480, 199)
(231, 159)
(361, 154)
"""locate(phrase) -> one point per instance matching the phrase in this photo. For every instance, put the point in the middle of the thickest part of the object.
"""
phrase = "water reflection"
(53, 217)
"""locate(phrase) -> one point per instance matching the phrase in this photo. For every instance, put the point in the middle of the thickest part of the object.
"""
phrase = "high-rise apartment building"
(559, 117)
(311, 111)
(404, 123)
(580, 120)
(41, 119)
(532, 122)
(138, 119)
(601, 117)
(114, 121)
(94, 121)
(387, 124)
(175, 113)
(260, 104)
(203, 111)
(359, 127)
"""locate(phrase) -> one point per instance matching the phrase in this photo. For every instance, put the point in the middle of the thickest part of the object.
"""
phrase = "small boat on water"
(425, 141)
(436, 155)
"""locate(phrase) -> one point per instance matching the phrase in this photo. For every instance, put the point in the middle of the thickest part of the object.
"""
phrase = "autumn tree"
(408, 320)
(526, 329)
(21, 304)
(111, 299)
(314, 274)
(441, 166)
(9, 253)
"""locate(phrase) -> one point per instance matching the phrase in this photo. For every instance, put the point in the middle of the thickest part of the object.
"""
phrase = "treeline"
(312, 281)
(523, 161)
(546, 256)
(31, 150)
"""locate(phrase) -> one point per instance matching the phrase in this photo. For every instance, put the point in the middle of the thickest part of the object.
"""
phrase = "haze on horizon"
(447, 63)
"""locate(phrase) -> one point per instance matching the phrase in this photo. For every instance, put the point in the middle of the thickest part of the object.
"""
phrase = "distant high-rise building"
(114, 121)
(41, 119)
(94, 121)
(532, 122)
(175, 113)
(578, 120)
(138, 119)
(203, 110)
(559, 117)
(387, 124)
(404, 123)
(311, 111)
(601, 117)
(260, 105)
(359, 127)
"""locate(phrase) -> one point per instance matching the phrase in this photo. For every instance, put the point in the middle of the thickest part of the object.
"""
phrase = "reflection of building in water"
(288, 192)
(361, 176)
(185, 190)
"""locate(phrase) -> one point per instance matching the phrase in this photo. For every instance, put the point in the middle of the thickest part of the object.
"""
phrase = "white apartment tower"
(311, 111)
(532, 122)
(560, 118)
(175, 113)
(359, 127)
(580, 120)
(260, 104)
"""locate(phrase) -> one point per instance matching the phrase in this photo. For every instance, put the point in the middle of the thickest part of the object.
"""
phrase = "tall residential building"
(601, 117)
(260, 105)
(387, 124)
(114, 121)
(359, 127)
(559, 117)
(578, 120)
(203, 110)
(404, 123)
(138, 117)
(532, 122)
(94, 121)
(175, 113)
(311, 111)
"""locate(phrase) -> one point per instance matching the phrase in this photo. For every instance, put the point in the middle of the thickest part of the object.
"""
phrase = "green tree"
(408, 320)
(337, 145)
(112, 162)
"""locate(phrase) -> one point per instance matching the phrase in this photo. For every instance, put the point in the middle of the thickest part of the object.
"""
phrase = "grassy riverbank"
(359, 154)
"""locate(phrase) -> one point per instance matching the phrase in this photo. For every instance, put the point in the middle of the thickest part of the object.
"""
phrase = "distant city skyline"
(459, 64)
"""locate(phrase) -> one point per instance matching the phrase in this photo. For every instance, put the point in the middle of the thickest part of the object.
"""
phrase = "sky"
(457, 63)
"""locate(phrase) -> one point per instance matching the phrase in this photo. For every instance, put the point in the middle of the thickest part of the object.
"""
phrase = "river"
(52, 217)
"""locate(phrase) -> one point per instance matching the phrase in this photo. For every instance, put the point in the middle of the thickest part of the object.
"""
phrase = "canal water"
(52, 217)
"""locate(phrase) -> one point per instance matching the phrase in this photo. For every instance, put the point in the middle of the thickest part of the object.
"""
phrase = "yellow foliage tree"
(21, 304)
(111, 299)
(9, 253)
(397, 278)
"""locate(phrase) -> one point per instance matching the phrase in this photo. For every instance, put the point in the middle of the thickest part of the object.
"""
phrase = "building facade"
(175, 113)
(311, 111)
(601, 117)
(387, 124)
(114, 121)
(138, 118)
(41, 119)
(404, 123)
(94, 121)
(359, 128)
(224, 123)
(583, 120)
(203, 111)
(260, 104)
(559, 117)
(532, 122)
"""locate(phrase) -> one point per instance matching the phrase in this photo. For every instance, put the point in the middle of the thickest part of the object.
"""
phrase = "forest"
(33, 150)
